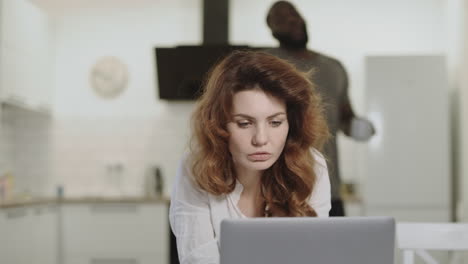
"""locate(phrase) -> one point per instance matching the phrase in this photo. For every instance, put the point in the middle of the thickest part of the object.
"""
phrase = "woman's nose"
(260, 137)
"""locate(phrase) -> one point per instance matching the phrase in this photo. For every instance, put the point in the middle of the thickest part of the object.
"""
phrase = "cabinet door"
(115, 233)
(3, 238)
(28, 235)
(44, 234)
(26, 54)
(18, 226)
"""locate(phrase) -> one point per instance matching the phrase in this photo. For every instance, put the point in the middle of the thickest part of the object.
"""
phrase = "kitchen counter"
(85, 229)
(79, 200)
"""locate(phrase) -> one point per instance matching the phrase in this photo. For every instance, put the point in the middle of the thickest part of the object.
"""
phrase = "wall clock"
(109, 77)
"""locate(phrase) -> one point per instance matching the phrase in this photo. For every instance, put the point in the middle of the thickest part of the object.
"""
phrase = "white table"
(417, 238)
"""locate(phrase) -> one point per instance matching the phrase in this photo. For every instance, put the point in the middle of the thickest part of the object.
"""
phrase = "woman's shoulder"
(318, 157)
(184, 176)
(185, 186)
(183, 169)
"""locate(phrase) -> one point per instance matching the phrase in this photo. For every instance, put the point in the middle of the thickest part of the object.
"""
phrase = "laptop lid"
(305, 240)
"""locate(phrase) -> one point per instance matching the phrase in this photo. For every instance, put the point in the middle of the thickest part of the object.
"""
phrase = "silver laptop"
(301, 240)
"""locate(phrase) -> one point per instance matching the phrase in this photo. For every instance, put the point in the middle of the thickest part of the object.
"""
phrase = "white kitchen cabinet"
(126, 233)
(45, 233)
(3, 238)
(28, 234)
(26, 48)
(85, 233)
(17, 227)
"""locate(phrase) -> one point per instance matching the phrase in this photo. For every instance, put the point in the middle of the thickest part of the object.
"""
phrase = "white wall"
(125, 30)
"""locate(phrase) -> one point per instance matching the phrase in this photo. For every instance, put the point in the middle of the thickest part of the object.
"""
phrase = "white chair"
(416, 238)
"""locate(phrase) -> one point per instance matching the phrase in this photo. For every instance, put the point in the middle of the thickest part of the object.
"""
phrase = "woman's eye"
(275, 123)
(243, 124)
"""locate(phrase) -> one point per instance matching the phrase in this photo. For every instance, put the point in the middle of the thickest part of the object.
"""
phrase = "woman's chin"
(260, 165)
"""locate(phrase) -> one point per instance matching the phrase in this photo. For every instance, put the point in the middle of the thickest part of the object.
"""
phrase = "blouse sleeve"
(320, 199)
(189, 217)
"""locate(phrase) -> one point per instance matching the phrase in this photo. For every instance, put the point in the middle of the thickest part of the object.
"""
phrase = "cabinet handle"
(17, 99)
(114, 261)
(16, 213)
(114, 208)
(38, 210)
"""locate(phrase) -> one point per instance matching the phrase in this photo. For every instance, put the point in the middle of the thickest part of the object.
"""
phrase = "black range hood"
(181, 70)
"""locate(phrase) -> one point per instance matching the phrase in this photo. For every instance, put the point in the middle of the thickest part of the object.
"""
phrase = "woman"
(257, 130)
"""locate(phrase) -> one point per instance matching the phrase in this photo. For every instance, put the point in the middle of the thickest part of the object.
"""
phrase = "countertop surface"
(101, 200)
(80, 200)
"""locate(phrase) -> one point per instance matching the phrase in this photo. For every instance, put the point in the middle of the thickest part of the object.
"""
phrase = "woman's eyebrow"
(250, 117)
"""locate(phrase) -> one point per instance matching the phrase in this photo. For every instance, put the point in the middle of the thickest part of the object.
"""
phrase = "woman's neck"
(251, 199)
(250, 180)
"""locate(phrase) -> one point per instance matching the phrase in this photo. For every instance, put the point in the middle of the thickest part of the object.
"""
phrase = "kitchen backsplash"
(5, 143)
(90, 157)
(26, 149)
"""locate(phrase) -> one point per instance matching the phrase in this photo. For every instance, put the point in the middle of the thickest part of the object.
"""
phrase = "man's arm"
(346, 112)
(346, 116)
(358, 128)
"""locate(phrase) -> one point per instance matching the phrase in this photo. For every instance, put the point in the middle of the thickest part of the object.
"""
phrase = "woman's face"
(258, 130)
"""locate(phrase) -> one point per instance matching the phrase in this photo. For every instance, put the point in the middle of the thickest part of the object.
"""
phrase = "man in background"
(329, 75)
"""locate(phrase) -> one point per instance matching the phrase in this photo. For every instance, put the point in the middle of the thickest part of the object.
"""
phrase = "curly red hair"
(288, 183)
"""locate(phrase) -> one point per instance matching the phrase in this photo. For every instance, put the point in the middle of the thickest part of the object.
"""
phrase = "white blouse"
(195, 215)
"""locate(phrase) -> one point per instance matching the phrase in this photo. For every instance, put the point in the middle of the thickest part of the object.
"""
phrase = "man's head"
(287, 25)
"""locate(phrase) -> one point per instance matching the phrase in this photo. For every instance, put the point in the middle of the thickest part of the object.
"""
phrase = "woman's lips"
(259, 156)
